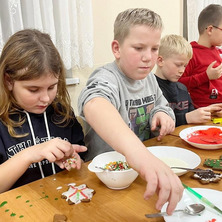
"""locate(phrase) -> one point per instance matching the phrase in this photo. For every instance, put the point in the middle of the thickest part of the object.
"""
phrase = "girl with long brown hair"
(37, 124)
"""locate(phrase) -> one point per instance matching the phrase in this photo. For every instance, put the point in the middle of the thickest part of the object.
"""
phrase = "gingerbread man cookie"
(215, 164)
(77, 194)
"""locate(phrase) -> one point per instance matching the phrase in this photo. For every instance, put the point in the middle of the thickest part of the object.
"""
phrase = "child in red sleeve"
(202, 75)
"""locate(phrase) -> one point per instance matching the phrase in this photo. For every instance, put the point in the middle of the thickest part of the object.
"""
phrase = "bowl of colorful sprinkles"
(203, 137)
(113, 170)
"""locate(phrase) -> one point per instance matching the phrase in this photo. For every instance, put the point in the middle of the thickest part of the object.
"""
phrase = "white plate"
(213, 196)
(177, 157)
(185, 132)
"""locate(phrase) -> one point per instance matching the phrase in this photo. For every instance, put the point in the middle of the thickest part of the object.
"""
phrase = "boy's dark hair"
(211, 15)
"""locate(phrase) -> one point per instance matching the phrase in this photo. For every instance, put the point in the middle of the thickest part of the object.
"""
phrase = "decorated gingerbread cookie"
(215, 164)
(207, 177)
(77, 194)
(70, 163)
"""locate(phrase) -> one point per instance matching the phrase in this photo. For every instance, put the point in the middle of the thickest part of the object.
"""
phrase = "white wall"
(104, 14)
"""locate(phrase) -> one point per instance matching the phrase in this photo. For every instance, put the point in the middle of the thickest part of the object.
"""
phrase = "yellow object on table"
(217, 120)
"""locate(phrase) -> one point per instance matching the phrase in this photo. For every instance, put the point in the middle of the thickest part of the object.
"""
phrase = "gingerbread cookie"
(216, 164)
(207, 177)
(77, 194)
(70, 163)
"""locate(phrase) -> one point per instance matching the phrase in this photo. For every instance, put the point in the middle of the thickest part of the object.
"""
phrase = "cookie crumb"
(59, 218)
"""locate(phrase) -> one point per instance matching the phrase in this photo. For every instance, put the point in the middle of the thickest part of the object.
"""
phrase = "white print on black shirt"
(182, 105)
(43, 162)
(25, 144)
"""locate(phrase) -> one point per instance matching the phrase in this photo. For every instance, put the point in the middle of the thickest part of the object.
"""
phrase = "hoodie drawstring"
(49, 137)
(34, 141)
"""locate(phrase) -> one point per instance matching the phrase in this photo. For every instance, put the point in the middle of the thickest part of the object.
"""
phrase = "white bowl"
(184, 134)
(113, 179)
(176, 157)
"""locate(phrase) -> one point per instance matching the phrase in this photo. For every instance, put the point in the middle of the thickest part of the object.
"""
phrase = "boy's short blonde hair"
(135, 16)
(175, 45)
(211, 15)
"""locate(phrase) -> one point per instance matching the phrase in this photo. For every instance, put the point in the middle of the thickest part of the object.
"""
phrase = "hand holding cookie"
(71, 162)
(74, 161)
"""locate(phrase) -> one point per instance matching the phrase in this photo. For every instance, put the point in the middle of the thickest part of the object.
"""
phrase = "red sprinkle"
(212, 220)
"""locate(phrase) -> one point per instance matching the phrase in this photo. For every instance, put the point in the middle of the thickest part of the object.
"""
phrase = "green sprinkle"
(56, 198)
(3, 203)
(7, 210)
(21, 216)
(27, 201)
(46, 196)
(18, 197)
(12, 214)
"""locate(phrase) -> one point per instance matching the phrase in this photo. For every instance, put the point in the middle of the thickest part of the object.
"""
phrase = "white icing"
(58, 188)
(174, 162)
(78, 193)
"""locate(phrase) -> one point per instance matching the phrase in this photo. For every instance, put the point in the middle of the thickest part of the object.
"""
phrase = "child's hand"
(218, 114)
(165, 122)
(218, 111)
(214, 73)
(159, 177)
(203, 114)
(56, 150)
(200, 115)
(74, 161)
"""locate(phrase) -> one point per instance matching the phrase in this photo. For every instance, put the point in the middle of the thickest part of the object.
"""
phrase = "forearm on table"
(12, 169)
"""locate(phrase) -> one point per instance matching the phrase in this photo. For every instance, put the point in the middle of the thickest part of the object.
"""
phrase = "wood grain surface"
(41, 200)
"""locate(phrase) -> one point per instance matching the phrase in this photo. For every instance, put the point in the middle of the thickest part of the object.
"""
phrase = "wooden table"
(40, 200)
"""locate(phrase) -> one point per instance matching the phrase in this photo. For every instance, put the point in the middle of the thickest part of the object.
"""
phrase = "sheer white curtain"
(194, 7)
(69, 23)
